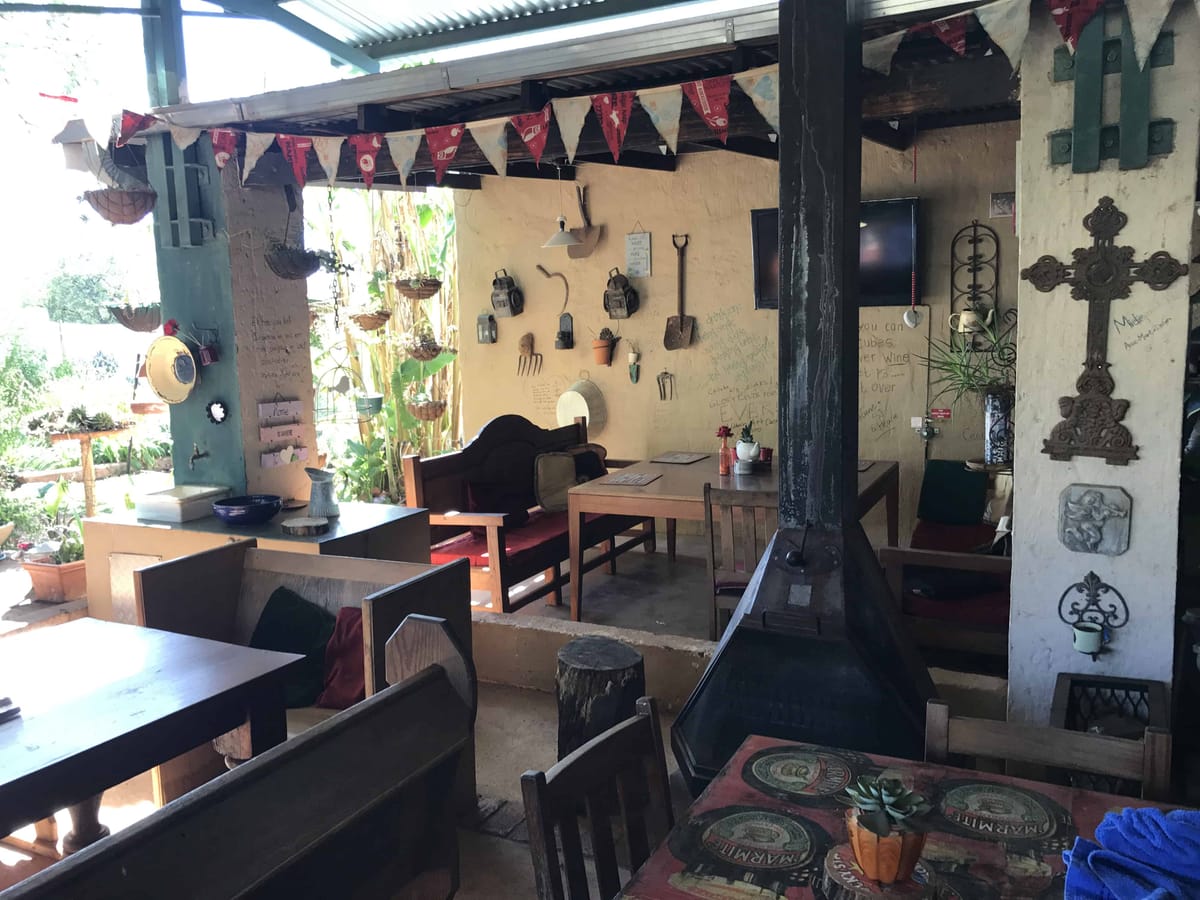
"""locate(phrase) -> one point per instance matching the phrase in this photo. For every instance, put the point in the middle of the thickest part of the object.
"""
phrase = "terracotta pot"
(887, 859)
(602, 352)
(57, 584)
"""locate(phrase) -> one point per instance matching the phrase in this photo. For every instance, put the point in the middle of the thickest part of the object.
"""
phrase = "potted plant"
(982, 364)
(59, 575)
(886, 827)
(747, 446)
(602, 347)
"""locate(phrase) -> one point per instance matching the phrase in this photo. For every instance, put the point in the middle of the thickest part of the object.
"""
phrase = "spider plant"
(972, 363)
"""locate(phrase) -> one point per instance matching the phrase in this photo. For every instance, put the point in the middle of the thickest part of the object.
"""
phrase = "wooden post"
(598, 684)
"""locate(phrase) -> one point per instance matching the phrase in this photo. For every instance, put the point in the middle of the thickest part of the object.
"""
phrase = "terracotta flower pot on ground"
(884, 859)
(53, 583)
(602, 352)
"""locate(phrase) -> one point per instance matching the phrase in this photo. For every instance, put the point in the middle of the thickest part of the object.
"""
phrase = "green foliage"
(747, 433)
(22, 387)
(885, 803)
(971, 364)
(80, 297)
(365, 474)
(29, 516)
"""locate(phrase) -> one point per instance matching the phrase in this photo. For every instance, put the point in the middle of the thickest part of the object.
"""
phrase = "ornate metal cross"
(1100, 274)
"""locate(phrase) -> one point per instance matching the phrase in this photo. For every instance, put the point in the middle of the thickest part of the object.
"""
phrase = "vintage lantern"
(507, 299)
(620, 299)
(565, 338)
(485, 328)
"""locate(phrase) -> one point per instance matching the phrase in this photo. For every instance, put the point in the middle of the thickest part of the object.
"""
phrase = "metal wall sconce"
(485, 328)
(1093, 609)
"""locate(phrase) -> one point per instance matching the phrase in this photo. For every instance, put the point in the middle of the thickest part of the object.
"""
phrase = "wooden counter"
(119, 543)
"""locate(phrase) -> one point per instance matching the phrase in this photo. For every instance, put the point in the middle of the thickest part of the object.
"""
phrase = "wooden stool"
(598, 684)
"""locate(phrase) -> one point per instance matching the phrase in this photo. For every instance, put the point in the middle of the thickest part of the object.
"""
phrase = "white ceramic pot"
(746, 451)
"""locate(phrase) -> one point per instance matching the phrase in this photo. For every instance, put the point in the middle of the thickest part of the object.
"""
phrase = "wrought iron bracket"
(1093, 602)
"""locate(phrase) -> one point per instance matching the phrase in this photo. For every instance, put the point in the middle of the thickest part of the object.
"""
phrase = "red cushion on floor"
(345, 678)
(988, 611)
(542, 529)
(952, 538)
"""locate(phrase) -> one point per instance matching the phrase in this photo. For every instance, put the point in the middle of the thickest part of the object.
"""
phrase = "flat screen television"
(887, 255)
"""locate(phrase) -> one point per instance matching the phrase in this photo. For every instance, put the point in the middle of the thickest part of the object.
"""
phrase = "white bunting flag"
(762, 87)
(570, 113)
(492, 137)
(184, 137)
(1007, 24)
(662, 105)
(1146, 18)
(403, 146)
(877, 54)
(256, 145)
(329, 153)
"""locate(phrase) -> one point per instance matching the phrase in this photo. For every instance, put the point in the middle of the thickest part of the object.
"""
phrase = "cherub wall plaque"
(1094, 518)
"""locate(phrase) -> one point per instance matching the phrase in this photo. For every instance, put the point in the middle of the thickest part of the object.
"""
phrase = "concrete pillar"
(1146, 348)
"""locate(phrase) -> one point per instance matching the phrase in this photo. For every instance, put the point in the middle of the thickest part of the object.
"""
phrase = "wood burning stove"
(815, 650)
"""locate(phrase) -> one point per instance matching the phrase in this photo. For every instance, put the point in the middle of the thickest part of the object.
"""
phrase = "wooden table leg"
(670, 540)
(892, 505)
(85, 824)
(575, 540)
(265, 725)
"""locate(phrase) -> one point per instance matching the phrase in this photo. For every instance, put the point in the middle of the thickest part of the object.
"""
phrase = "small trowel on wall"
(589, 235)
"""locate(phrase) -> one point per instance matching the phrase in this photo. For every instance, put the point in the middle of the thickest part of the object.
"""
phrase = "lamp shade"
(562, 237)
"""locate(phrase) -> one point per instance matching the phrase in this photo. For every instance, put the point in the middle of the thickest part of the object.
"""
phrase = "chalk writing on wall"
(1143, 334)
(741, 375)
(281, 347)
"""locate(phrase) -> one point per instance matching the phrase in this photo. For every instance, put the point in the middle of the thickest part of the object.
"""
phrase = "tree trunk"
(598, 684)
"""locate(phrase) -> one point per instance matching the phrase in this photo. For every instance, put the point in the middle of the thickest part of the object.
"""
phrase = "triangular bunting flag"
(224, 144)
(131, 124)
(570, 112)
(762, 87)
(329, 154)
(710, 99)
(256, 145)
(1007, 24)
(184, 137)
(366, 148)
(534, 129)
(662, 105)
(878, 53)
(295, 150)
(613, 112)
(443, 143)
(403, 146)
(492, 138)
(1146, 18)
(1071, 16)
(951, 31)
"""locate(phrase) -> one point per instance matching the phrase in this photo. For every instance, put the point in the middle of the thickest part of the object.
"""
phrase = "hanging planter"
(121, 207)
(138, 318)
(292, 263)
(371, 321)
(602, 347)
(424, 347)
(419, 287)
(427, 410)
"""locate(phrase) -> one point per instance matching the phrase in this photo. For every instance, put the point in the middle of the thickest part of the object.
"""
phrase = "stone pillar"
(212, 233)
(1146, 345)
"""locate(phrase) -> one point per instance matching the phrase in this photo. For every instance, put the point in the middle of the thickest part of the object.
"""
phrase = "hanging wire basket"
(138, 318)
(121, 207)
(424, 348)
(292, 263)
(419, 288)
(371, 321)
(427, 410)
(336, 396)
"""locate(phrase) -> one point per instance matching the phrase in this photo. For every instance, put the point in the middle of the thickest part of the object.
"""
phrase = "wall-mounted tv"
(888, 253)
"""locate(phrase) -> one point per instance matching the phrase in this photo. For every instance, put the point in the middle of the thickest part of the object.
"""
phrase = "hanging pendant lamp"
(562, 237)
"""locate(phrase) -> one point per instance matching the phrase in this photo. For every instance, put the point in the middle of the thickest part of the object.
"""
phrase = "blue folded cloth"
(1142, 854)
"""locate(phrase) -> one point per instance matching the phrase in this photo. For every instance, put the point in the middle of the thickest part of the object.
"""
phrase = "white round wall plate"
(171, 369)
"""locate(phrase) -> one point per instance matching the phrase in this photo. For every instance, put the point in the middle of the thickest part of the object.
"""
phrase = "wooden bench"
(219, 594)
(355, 807)
(502, 556)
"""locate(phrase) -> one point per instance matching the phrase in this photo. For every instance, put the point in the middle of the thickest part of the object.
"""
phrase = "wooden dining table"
(771, 825)
(677, 492)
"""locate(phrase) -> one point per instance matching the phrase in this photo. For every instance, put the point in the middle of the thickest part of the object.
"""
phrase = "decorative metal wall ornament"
(1095, 605)
(1094, 518)
(1099, 275)
(975, 269)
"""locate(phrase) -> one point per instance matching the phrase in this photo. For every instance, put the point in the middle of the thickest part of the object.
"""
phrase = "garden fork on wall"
(666, 385)
(528, 363)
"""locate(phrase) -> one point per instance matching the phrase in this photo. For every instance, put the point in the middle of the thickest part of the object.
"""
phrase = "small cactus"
(606, 335)
(747, 434)
(884, 804)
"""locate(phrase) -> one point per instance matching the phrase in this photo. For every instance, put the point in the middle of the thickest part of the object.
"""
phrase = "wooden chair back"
(737, 527)
(621, 773)
(1147, 760)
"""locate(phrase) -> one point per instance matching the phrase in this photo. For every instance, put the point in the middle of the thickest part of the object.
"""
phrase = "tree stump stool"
(598, 684)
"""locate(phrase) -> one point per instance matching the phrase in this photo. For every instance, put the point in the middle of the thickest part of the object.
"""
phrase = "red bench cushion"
(541, 530)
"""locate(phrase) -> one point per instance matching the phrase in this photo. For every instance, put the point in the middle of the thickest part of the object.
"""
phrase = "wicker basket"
(371, 321)
(119, 206)
(140, 318)
(418, 288)
(425, 352)
(428, 410)
(292, 263)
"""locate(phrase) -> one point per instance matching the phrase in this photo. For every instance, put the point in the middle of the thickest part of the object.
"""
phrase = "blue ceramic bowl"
(251, 510)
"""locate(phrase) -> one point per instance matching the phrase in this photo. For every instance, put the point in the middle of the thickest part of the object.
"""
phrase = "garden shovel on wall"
(589, 235)
(680, 327)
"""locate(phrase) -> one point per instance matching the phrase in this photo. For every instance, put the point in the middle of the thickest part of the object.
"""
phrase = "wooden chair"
(622, 771)
(737, 538)
(1147, 760)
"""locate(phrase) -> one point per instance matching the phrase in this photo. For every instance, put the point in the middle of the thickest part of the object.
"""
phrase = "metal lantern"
(507, 299)
(565, 338)
(620, 299)
(485, 328)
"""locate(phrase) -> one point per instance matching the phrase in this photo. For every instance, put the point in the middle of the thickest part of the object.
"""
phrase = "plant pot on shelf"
(54, 583)
(602, 352)
(884, 859)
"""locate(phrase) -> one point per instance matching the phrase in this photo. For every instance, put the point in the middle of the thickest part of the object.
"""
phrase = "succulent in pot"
(886, 824)
(602, 347)
(747, 446)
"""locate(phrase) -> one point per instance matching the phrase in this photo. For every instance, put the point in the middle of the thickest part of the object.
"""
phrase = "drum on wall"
(583, 398)
(170, 369)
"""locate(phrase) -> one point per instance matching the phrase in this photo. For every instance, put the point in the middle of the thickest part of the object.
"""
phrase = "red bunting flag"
(710, 99)
(1071, 16)
(224, 144)
(613, 111)
(131, 124)
(295, 150)
(443, 143)
(952, 32)
(534, 129)
(366, 148)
